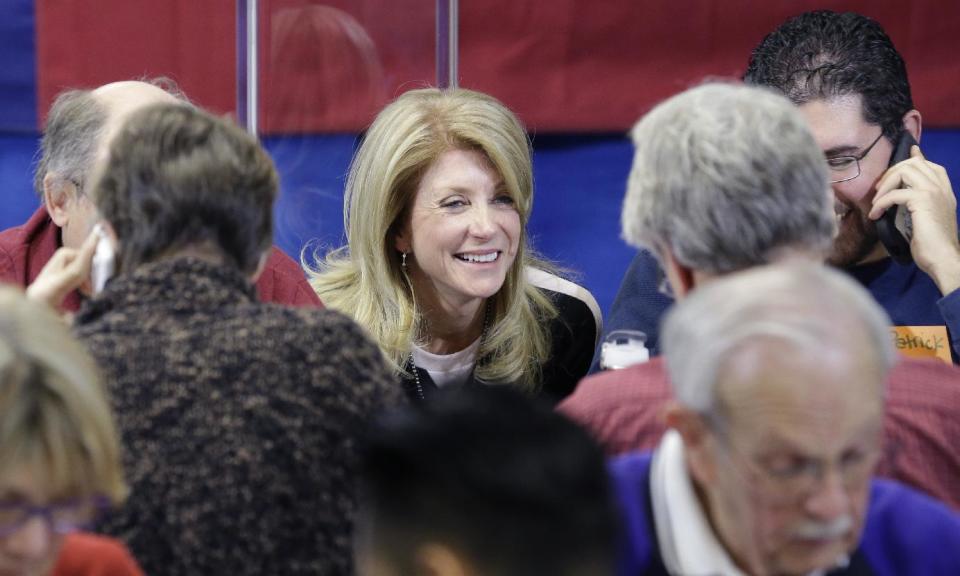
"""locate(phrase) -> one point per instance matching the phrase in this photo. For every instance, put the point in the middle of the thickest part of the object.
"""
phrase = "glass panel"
(326, 69)
(49, 47)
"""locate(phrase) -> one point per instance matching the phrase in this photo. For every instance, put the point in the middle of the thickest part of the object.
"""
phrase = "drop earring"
(403, 260)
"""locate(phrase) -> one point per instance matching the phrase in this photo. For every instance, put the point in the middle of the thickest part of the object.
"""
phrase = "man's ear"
(59, 196)
(681, 277)
(697, 441)
(434, 559)
(913, 123)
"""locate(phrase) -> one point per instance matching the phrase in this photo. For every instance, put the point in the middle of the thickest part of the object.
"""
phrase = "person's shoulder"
(641, 383)
(302, 328)
(631, 466)
(38, 223)
(283, 281)
(36, 238)
(622, 409)
(12, 237)
(630, 478)
(86, 554)
(575, 304)
(907, 532)
(318, 319)
(925, 381)
(326, 336)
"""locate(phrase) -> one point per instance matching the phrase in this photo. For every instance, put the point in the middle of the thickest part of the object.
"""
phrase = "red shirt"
(622, 409)
(90, 555)
(25, 249)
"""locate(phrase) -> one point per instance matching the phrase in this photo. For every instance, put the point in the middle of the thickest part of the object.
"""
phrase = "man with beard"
(778, 374)
(851, 85)
(729, 177)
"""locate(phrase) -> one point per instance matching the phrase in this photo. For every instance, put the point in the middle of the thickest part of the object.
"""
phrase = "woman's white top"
(446, 369)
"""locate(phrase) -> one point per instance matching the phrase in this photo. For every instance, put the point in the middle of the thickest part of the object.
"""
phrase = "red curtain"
(564, 65)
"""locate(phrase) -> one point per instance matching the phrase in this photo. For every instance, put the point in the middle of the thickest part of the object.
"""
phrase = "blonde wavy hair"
(55, 419)
(364, 279)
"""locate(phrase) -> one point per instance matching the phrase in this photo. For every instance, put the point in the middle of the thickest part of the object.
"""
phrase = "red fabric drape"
(564, 65)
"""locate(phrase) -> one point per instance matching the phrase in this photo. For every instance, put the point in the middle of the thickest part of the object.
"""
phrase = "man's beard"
(856, 239)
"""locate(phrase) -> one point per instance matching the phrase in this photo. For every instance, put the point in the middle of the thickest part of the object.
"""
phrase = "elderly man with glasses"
(779, 377)
(76, 138)
(848, 80)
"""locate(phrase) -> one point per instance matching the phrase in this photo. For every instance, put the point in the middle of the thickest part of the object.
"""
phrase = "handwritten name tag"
(922, 341)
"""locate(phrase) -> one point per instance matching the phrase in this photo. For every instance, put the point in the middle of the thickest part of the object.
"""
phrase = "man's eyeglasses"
(663, 283)
(847, 168)
(62, 517)
(795, 477)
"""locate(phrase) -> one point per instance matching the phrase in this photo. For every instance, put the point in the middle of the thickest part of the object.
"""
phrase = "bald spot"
(120, 99)
(807, 397)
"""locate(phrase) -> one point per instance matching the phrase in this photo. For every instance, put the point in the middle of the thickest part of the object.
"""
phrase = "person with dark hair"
(483, 481)
(849, 81)
(700, 222)
(239, 418)
(78, 130)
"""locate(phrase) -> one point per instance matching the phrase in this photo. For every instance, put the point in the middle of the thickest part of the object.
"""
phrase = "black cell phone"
(895, 227)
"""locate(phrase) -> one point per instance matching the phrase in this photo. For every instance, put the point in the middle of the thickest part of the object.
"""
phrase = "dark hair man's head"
(822, 55)
(179, 179)
(844, 73)
(485, 481)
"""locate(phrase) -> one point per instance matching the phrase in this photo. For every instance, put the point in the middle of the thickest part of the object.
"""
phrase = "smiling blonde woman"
(437, 267)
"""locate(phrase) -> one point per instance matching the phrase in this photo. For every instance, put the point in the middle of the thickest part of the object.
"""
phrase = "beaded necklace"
(413, 365)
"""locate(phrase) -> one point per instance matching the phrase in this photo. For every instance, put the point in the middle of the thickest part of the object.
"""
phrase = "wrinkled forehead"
(815, 396)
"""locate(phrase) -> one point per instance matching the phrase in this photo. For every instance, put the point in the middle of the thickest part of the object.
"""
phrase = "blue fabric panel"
(313, 171)
(18, 67)
(579, 180)
(17, 198)
(579, 184)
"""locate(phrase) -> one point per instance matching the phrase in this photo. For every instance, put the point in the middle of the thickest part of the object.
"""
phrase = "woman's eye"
(453, 203)
(504, 199)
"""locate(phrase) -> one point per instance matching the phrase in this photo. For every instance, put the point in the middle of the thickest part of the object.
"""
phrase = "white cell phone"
(104, 260)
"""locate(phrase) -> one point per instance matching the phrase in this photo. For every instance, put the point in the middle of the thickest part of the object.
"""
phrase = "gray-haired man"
(78, 130)
(779, 375)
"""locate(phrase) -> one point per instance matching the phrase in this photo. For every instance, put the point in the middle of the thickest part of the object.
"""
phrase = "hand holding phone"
(104, 260)
(895, 228)
(68, 269)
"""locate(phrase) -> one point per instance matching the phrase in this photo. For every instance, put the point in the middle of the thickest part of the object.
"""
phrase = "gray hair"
(725, 176)
(73, 132)
(807, 306)
(70, 139)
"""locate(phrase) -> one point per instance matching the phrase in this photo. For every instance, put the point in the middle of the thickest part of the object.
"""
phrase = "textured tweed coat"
(239, 421)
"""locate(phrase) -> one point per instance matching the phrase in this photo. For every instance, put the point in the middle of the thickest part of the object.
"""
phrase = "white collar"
(687, 542)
